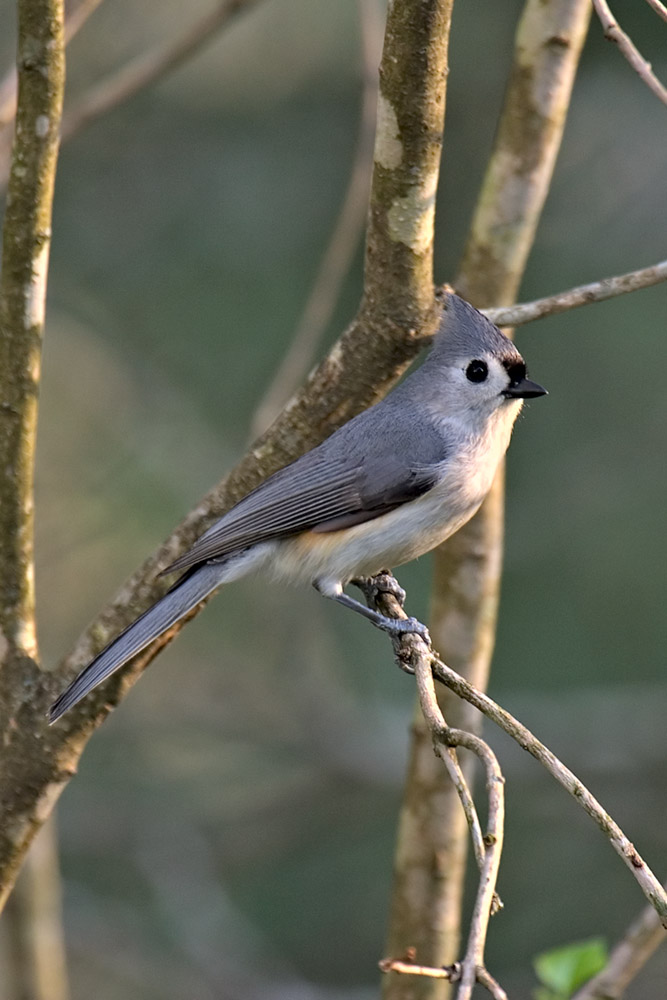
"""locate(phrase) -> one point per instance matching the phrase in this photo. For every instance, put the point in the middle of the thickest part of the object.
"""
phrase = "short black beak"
(524, 389)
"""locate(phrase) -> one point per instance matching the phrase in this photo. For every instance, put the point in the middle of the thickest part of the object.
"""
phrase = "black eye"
(477, 371)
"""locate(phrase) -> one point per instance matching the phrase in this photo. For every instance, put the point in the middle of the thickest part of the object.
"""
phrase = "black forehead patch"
(515, 368)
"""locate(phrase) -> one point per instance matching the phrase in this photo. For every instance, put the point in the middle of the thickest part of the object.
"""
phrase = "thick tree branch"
(26, 241)
(614, 33)
(582, 295)
(368, 359)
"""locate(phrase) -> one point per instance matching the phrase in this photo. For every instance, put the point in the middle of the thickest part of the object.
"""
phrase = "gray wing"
(371, 465)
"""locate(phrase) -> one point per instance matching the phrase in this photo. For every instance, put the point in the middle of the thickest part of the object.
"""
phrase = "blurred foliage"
(231, 830)
(564, 970)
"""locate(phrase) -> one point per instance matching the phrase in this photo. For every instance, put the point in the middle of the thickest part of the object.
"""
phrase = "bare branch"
(631, 953)
(650, 886)
(411, 650)
(457, 777)
(344, 239)
(26, 239)
(444, 739)
(582, 295)
(150, 67)
(659, 8)
(484, 978)
(450, 973)
(33, 924)
(614, 33)
(486, 899)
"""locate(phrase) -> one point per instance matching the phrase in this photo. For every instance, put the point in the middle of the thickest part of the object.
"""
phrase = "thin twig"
(659, 8)
(344, 239)
(486, 900)
(582, 295)
(450, 973)
(614, 33)
(457, 777)
(445, 738)
(631, 953)
(484, 978)
(411, 650)
(650, 886)
(150, 67)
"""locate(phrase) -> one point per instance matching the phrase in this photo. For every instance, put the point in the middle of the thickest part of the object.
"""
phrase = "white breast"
(409, 531)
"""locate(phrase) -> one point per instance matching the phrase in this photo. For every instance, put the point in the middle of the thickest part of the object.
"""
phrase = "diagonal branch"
(137, 75)
(398, 312)
(411, 651)
(582, 295)
(659, 8)
(614, 33)
(150, 67)
(650, 885)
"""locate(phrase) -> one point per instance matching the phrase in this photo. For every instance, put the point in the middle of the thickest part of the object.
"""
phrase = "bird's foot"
(396, 627)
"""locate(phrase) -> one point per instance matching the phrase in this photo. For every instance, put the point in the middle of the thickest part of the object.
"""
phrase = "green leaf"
(563, 970)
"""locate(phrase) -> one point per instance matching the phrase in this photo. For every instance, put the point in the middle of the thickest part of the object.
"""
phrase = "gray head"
(481, 365)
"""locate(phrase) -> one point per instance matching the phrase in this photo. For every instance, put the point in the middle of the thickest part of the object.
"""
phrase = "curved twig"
(411, 651)
(446, 738)
(457, 777)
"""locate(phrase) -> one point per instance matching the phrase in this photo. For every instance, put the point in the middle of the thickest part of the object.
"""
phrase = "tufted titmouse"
(386, 487)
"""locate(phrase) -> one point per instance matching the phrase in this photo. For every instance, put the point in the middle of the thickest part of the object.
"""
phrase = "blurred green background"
(230, 832)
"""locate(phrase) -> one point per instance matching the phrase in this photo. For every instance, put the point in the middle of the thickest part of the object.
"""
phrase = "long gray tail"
(185, 594)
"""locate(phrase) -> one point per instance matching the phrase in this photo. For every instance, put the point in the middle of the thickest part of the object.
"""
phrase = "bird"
(388, 486)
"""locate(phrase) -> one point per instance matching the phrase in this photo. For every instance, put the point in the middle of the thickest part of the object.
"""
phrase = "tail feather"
(176, 603)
